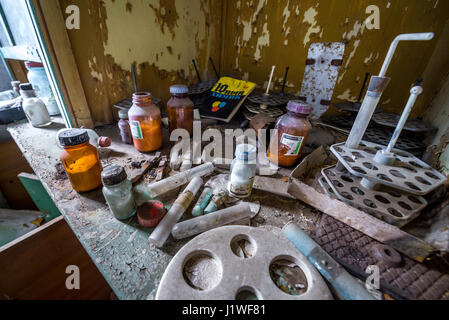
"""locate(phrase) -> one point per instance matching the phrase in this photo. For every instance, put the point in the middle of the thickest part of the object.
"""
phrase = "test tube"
(217, 201)
(214, 220)
(202, 202)
(162, 231)
(144, 192)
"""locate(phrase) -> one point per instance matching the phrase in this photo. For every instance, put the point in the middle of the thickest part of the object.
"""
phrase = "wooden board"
(33, 266)
(51, 21)
(12, 163)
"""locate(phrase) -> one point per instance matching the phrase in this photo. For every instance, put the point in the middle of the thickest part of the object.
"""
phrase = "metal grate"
(392, 206)
(391, 120)
(408, 173)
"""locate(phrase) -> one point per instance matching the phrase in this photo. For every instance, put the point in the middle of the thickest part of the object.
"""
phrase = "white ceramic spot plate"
(238, 273)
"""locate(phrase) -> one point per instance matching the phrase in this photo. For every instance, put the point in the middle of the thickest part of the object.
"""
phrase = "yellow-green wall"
(246, 38)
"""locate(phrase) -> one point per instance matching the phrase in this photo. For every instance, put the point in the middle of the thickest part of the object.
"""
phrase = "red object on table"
(151, 213)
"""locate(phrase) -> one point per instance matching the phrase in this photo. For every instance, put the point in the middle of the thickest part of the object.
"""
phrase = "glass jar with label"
(117, 191)
(125, 129)
(243, 171)
(293, 130)
(180, 109)
(34, 108)
(145, 123)
(81, 160)
(38, 78)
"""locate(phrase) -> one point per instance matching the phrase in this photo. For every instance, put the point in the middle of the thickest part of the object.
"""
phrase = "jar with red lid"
(180, 109)
(145, 123)
(293, 130)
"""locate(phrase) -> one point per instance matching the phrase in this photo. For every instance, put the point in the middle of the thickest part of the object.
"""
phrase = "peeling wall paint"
(294, 24)
(160, 37)
(247, 38)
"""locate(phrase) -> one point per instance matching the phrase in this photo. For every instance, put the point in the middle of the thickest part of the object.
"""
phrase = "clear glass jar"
(293, 130)
(81, 160)
(243, 171)
(117, 190)
(125, 129)
(145, 123)
(34, 108)
(38, 78)
(180, 109)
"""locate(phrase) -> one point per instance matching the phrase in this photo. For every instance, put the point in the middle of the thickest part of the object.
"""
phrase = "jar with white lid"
(34, 108)
(243, 171)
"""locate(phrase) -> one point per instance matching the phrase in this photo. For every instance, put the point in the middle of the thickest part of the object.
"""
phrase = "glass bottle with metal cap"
(81, 160)
(180, 109)
(117, 190)
(34, 108)
(293, 130)
(125, 129)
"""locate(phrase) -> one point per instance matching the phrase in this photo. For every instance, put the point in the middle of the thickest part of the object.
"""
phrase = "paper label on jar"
(136, 129)
(242, 189)
(293, 143)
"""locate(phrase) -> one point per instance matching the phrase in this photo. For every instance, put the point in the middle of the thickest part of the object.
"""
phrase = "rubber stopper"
(104, 142)
(151, 213)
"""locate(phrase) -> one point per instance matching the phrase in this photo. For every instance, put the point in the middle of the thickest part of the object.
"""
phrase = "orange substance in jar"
(180, 109)
(83, 166)
(293, 131)
(145, 122)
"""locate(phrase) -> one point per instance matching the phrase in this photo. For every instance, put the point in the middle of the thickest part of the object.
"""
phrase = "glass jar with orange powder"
(180, 109)
(293, 130)
(80, 160)
(145, 123)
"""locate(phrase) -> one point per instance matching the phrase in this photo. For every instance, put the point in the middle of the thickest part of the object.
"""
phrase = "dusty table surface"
(120, 249)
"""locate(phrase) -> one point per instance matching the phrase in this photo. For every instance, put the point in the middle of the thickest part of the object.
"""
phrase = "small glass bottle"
(81, 160)
(145, 123)
(38, 78)
(125, 129)
(34, 108)
(293, 131)
(117, 190)
(243, 171)
(180, 109)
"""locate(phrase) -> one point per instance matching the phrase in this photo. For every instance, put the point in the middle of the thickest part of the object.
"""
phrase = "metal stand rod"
(375, 90)
(414, 94)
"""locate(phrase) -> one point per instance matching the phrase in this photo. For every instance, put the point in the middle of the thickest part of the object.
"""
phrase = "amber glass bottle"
(293, 130)
(80, 160)
(145, 122)
(180, 109)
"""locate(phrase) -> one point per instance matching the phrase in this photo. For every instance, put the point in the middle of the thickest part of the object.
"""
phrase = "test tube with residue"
(217, 201)
(162, 231)
(202, 202)
(144, 192)
(214, 220)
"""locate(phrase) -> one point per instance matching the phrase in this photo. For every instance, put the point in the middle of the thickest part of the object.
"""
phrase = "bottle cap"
(73, 137)
(179, 89)
(246, 152)
(151, 213)
(297, 106)
(113, 175)
(33, 64)
(123, 114)
(104, 142)
(26, 86)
